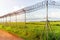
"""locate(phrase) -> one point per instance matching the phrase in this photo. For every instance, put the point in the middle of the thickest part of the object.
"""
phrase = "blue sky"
(7, 6)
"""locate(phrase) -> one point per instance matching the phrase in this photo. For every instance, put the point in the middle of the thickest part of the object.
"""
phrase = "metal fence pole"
(46, 19)
(3, 21)
(16, 19)
(10, 20)
(6, 21)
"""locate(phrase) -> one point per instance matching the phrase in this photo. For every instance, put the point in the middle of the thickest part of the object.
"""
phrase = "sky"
(7, 6)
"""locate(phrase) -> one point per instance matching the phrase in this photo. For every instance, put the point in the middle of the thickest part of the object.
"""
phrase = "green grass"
(33, 30)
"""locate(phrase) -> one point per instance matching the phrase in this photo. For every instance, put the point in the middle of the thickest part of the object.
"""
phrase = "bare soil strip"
(7, 36)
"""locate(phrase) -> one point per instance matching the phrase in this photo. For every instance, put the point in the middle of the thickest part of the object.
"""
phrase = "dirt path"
(7, 36)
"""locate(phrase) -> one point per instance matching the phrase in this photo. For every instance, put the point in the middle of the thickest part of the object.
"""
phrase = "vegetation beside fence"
(32, 30)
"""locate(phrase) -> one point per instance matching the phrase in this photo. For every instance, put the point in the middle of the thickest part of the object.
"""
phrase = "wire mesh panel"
(35, 24)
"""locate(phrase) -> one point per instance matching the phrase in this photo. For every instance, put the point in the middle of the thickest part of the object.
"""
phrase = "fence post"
(6, 21)
(16, 19)
(10, 20)
(3, 22)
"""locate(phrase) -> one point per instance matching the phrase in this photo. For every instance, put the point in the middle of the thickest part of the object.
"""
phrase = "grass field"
(33, 30)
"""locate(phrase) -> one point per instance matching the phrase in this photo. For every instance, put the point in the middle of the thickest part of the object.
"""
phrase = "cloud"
(54, 15)
(15, 8)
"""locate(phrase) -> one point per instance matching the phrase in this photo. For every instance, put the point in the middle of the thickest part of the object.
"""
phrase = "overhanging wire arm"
(41, 5)
(35, 7)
